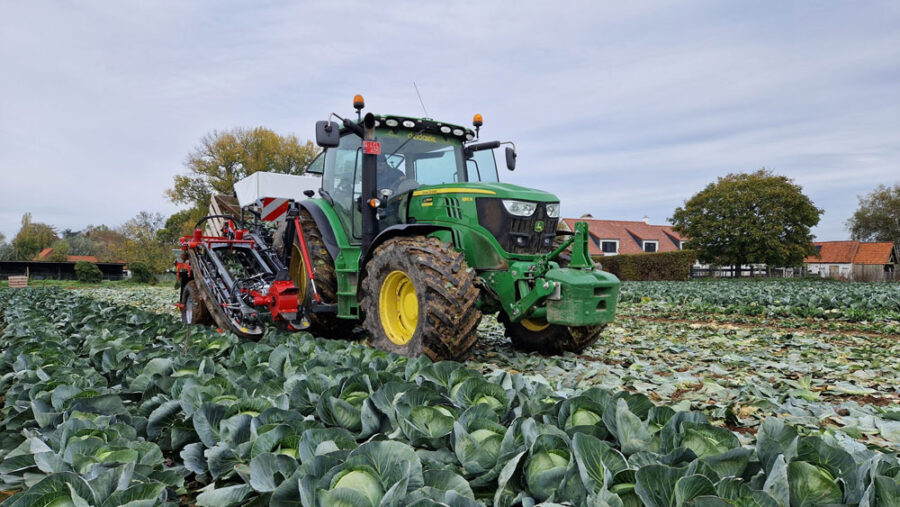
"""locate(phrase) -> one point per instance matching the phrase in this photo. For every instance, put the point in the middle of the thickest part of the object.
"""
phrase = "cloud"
(623, 110)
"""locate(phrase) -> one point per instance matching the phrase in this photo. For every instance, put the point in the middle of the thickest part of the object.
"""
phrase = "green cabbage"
(360, 482)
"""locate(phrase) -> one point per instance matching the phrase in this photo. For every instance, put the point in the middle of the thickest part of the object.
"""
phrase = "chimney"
(646, 220)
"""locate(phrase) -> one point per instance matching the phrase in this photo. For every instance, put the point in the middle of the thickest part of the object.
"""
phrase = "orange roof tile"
(874, 253)
(44, 254)
(851, 252)
(88, 258)
(833, 252)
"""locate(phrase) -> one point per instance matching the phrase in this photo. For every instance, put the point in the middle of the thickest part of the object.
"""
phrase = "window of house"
(609, 246)
(650, 246)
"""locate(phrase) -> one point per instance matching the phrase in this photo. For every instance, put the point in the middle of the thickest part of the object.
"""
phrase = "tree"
(878, 216)
(222, 158)
(7, 251)
(108, 245)
(81, 244)
(32, 238)
(179, 224)
(60, 251)
(749, 218)
(142, 244)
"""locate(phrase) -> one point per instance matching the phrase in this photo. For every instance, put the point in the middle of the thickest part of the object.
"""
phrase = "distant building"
(49, 270)
(47, 252)
(853, 260)
(613, 237)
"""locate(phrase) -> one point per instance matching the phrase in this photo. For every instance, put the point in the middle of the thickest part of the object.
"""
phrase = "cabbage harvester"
(410, 233)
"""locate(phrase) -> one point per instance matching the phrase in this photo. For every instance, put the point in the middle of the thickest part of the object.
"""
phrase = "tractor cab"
(413, 153)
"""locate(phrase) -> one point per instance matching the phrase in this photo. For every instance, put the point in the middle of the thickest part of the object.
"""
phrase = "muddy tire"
(549, 339)
(420, 298)
(327, 325)
(193, 308)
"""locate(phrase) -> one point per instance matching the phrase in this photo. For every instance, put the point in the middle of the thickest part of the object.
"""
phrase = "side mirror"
(510, 158)
(328, 134)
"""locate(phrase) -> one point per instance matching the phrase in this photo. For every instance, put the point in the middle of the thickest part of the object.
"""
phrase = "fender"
(324, 227)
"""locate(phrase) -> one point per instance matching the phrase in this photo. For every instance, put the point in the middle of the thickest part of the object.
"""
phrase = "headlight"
(519, 208)
(553, 210)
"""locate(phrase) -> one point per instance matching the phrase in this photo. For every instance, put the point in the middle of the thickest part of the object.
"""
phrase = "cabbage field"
(701, 393)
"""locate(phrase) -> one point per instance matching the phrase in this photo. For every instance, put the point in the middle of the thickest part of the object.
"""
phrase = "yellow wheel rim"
(298, 272)
(398, 307)
(535, 324)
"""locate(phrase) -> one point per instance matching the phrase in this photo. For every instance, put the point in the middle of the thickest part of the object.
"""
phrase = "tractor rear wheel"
(327, 325)
(193, 308)
(420, 298)
(538, 335)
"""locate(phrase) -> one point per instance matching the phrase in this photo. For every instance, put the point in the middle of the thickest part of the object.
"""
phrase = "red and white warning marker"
(274, 209)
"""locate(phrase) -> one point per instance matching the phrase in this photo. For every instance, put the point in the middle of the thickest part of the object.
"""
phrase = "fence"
(875, 273)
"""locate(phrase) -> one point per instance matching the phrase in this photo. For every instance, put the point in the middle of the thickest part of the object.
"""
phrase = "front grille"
(517, 234)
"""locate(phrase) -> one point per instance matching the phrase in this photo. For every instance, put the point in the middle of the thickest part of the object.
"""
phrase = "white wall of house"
(843, 270)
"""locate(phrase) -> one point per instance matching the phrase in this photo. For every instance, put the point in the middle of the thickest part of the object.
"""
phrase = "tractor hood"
(485, 189)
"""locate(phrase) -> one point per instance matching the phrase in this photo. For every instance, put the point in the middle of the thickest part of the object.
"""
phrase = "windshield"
(407, 161)
(429, 159)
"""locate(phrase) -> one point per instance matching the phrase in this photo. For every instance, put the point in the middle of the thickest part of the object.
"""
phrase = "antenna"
(420, 99)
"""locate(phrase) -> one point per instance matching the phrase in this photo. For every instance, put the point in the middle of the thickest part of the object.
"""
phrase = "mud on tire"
(554, 339)
(447, 322)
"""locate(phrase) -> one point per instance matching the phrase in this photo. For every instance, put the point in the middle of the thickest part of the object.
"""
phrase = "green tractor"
(413, 234)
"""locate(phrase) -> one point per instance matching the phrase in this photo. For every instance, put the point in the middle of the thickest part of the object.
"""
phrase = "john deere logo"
(539, 226)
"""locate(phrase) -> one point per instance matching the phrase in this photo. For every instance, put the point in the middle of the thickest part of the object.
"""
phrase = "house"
(612, 237)
(853, 260)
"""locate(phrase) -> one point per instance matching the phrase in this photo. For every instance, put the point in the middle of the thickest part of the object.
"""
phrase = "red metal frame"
(282, 299)
(307, 264)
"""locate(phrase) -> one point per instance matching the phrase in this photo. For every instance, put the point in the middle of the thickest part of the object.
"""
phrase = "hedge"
(141, 273)
(650, 266)
(88, 272)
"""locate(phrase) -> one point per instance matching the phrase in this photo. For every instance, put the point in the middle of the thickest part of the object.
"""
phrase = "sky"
(622, 109)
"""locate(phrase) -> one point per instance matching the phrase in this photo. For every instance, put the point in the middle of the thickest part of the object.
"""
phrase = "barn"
(853, 260)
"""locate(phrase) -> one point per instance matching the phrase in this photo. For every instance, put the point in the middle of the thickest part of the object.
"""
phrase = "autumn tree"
(749, 218)
(107, 244)
(81, 244)
(222, 158)
(32, 238)
(142, 244)
(7, 252)
(180, 223)
(878, 216)
(60, 251)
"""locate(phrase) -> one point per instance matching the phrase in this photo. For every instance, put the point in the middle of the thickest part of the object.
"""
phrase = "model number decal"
(422, 137)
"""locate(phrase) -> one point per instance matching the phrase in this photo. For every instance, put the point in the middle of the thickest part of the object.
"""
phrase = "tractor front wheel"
(420, 298)
(538, 335)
